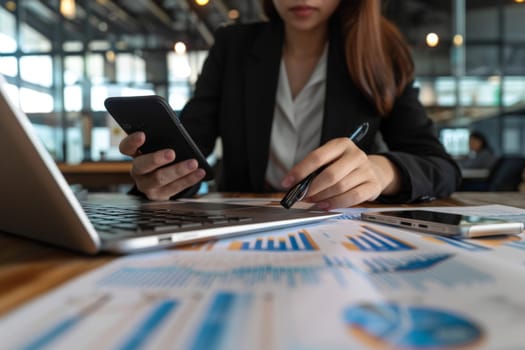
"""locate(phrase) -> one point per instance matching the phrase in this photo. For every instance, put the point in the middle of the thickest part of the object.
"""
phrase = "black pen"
(299, 190)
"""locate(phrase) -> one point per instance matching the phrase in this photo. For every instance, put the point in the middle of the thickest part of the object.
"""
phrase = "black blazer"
(235, 98)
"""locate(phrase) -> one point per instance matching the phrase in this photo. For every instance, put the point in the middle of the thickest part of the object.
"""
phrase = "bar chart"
(142, 333)
(420, 272)
(223, 322)
(404, 264)
(370, 239)
(293, 242)
(457, 243)
(195, 277)
(219, 320)
(71, 319)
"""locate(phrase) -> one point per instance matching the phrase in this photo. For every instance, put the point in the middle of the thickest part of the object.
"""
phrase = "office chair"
(506, 175)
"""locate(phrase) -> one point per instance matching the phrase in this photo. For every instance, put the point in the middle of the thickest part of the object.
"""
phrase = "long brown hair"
(377, 56)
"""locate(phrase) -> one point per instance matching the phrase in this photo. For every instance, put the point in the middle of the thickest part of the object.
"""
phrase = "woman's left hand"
(351, 178)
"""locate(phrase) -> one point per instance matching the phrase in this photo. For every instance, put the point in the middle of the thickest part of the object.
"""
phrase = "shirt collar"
(319, 73)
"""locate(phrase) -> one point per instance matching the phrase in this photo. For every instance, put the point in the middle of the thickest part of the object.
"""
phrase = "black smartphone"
(153, 116)
(447, 224)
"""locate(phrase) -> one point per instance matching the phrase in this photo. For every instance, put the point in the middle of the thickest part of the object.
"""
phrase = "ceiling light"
(179, 48)
(10, 5)
(233, 14)
(432, 39)
(458, 40)
(110, 56)
(68, 8)
(103, 26)
(202, 2)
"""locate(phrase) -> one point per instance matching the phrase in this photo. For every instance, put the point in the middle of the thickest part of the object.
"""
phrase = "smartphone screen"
(153, 116)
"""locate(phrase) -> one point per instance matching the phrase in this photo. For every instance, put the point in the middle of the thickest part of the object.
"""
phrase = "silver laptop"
(38, 203)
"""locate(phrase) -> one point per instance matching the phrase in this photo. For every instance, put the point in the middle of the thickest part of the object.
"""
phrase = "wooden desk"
(97, 175)
(29, 269)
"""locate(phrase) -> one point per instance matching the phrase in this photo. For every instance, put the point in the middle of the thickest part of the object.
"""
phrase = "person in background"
(284, 95)
(481, 155)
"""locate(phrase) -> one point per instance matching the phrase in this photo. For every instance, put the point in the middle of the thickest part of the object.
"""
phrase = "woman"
(285, 95)
(481, 155)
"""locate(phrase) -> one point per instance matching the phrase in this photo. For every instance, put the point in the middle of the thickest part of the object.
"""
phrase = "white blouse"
(296, 128)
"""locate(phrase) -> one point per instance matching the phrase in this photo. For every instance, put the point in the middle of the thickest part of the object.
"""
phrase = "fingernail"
(200, 173)
(168, 155)
(139, 137)
(323, 205)
(288, 181)
(191, 164)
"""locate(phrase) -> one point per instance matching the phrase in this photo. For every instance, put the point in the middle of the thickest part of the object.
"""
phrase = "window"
(8, 66)
(37, 70)
(33, 41)
(130, 69)
(455, 140)
(7, 31)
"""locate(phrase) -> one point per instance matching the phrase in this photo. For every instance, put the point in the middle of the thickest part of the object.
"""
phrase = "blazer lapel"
(262, 72)
(345, 107)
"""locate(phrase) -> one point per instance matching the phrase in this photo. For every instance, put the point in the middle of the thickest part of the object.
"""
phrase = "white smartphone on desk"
(446, 224)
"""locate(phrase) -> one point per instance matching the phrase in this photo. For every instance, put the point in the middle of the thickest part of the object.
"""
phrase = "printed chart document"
(338, 284)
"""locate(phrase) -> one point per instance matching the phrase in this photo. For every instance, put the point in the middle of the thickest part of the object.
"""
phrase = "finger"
(166, 192)
(325, 154)
(353, 180)
(148, 163)
(349, 164)
(345, 184)
(164, 176)
(131, 143)
(357, 195)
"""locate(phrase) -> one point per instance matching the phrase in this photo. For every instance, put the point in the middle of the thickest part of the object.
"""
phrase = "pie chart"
(389, 325)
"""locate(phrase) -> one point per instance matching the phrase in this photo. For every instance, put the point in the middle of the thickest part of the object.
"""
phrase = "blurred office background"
(62, 58)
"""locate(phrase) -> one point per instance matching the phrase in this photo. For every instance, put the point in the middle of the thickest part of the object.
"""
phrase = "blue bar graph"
(55, 332)
(189, 277)
(212, 331)
(300, 241)
(406, 264)
(337, 266)
(457, 243)
(375, 240)
(338, 262)
(145, 330)
(420, 271)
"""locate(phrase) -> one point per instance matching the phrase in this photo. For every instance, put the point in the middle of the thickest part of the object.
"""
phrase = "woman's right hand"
(151, 178)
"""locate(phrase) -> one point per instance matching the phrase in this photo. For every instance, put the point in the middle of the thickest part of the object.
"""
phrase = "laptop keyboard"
(111, 219)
